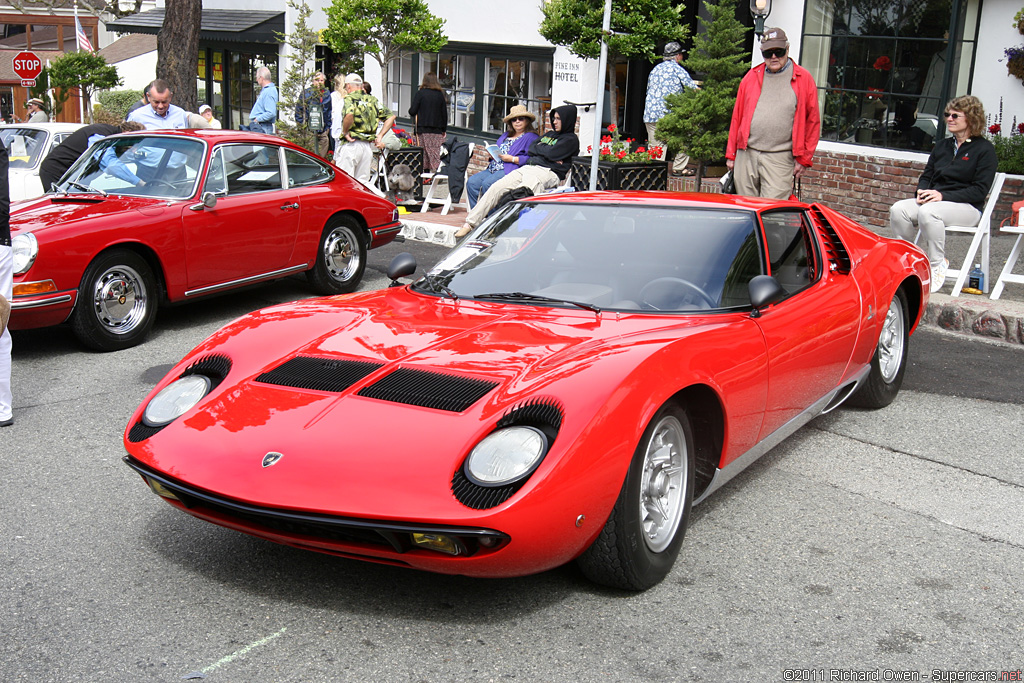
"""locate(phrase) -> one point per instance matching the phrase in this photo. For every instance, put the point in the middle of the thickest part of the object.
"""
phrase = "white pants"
(906, 216)
(355, 158)
(537, 178)
(6, 286)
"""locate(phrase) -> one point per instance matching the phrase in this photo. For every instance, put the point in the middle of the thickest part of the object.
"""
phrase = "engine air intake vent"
(481, 497)
(429, 389)
(835, 250)
(320, 374)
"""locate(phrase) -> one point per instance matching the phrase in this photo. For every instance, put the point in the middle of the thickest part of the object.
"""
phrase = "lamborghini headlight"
(25, 248)
(506, 455)
(176, 399)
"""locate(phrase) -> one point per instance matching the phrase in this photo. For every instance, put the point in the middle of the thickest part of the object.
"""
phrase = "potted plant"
(620, 167)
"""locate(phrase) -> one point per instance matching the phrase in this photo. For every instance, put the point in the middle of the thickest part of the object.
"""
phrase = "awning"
(218, 25)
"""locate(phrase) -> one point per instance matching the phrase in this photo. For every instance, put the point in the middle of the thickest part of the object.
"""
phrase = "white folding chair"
(434, 180)
(982, 238)
(1007, 274)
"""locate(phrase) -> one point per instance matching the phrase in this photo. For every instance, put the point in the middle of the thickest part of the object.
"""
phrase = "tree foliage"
(84, 70)
(699, 119)
(637, 29)
(302, 40)
(177, 46)
(384, 29)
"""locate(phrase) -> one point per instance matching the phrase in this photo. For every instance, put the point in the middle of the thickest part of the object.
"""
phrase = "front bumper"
(41, 310)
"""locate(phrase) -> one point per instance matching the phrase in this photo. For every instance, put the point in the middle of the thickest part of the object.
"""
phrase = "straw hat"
(517, 111)
(36, 101)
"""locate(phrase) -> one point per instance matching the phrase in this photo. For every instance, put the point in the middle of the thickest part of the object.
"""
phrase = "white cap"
(204, 107)
(354, 79)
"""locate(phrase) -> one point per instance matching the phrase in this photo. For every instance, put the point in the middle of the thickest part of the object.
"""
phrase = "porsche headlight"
(506, 455)
(175, 399)
(25, 248)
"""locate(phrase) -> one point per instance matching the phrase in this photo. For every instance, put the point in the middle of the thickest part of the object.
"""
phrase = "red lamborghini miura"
(562, 386)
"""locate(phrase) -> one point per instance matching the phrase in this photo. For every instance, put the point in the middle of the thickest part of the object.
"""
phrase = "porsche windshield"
(25, 146)
(138, 165)
(608, 257)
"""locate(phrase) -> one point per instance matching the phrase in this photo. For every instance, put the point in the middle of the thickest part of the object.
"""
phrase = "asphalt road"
(882, 544)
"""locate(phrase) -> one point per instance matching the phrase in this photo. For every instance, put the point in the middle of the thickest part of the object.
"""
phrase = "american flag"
(83, 40)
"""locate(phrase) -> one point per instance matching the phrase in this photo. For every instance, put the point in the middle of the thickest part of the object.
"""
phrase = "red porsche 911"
(160, 217)
(562, 386)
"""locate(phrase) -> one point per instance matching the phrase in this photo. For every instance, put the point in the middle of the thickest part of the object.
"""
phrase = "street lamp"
(760, 9)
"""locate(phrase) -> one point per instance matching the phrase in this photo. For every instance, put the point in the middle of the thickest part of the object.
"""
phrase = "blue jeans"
(478, 183)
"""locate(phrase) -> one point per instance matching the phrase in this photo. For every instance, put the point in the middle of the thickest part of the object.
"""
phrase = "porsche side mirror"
(209, 200)
(764, 290)
(400, 266)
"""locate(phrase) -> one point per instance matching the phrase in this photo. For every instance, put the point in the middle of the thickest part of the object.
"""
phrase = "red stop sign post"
(27, 66)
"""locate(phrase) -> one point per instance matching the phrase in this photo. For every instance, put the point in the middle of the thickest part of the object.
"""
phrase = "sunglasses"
(951, 115)
(521, 118)
(775, 52)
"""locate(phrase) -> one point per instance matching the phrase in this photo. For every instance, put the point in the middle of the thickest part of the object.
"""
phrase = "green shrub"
(1010, 152)
(116, 102)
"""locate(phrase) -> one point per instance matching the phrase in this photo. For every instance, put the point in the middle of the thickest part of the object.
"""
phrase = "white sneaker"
(939, 275)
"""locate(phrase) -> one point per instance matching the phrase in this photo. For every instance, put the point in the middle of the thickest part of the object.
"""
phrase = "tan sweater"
(771, 128)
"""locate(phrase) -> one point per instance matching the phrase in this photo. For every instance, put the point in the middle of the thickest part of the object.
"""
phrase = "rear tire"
(116, 303)
(890, 361)
(340, 258)
(641, 539)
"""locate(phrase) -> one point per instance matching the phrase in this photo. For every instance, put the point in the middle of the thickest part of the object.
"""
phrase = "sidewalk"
(1001, 320)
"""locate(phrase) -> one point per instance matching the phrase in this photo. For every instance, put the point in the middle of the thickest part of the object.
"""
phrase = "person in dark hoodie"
(550, 161)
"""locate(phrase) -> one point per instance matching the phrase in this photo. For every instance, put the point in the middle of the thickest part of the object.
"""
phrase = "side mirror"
(209, 200)
(764, 290)
(400, 266)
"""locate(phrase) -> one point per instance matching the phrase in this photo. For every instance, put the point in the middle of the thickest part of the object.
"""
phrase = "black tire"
(632, 551)
(890, 360)
(340, 258)
(116, 303)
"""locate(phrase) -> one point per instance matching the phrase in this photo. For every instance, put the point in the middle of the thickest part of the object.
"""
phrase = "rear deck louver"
(429, 389)
(835, 250)
(320, 374)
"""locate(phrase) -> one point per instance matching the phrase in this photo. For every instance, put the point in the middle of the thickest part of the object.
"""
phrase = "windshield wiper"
(523, 296)
(434, 284)
(85, 188)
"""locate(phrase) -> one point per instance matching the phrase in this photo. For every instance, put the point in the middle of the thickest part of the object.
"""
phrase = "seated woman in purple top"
(512, 145)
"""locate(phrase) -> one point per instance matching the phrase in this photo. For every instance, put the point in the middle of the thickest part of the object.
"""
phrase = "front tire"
(340, 258)
(116, 303)
(641, 539)
(890, 361)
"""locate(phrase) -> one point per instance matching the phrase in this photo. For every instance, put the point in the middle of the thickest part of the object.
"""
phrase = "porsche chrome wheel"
(116, 305)
(663, 483)
(340, 258)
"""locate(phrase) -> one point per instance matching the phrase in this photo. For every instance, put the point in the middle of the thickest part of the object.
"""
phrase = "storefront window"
(885, 70)
(512, 82)
(400, 86)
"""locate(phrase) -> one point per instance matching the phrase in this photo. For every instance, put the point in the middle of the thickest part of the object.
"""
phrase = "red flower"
(1020, 128)
(995, 129)
(883, 63)
(621, 153)
(871, 93)
(611, 127)
(606, 138)
(590, 149)
(640, 150)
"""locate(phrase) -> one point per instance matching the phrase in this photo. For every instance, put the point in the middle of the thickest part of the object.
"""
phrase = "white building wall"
(991, 81)
(137, 72)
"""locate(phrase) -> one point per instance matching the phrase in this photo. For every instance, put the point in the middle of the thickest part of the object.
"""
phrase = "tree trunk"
(700, 175)
(177, 46)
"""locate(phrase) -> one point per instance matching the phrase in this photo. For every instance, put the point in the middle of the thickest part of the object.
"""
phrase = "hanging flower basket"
(1015, 62)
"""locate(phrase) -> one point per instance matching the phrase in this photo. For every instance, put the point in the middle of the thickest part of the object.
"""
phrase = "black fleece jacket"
(962, 175)
(556, 150)
(429, 106)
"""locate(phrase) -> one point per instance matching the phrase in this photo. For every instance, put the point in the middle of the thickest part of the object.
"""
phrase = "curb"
(999, 320)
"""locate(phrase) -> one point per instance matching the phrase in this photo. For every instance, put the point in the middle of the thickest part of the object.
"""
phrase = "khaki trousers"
(537, 178)
(764, 174)
(906, 216)
(681, 159)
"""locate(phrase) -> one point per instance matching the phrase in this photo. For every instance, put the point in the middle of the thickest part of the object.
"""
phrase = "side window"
(216, 178)
(791, 253)
(305, 170)
(251, 168)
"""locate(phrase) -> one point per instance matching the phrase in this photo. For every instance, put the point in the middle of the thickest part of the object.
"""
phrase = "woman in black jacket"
(952, 188)
(430, 112)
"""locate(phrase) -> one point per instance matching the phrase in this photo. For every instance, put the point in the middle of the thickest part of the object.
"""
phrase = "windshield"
(609, 257)
(25, 146)
(138, 165)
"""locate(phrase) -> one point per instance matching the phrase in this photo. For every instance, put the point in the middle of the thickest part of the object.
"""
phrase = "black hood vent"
(320, 374)
(429, 389)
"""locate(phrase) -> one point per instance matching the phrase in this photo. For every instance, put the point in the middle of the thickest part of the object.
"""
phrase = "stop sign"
(27, 66)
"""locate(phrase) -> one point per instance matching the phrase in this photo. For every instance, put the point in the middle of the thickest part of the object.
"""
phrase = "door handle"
(285, 207)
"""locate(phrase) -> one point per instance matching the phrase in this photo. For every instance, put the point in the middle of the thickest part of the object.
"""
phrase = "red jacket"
(806, 124)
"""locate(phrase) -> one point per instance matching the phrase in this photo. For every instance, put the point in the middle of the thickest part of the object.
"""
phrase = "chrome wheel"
(120, 300)
(663, 483)
(342, 255)
(892, 342)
